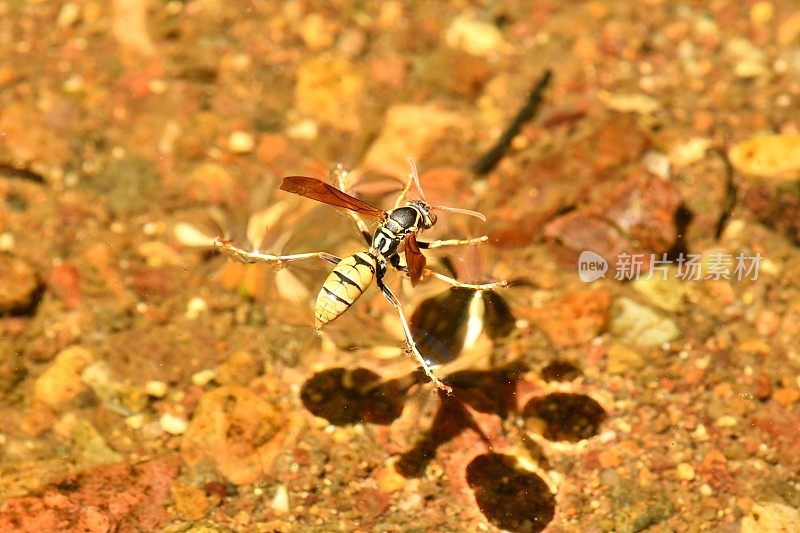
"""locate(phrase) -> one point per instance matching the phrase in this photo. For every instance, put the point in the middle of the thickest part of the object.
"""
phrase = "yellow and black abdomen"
(348, 281)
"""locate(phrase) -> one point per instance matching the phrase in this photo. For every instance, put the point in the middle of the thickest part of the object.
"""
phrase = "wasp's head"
(428, 216)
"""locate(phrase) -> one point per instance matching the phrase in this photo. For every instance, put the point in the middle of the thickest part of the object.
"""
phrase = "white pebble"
(73, 84)
(305, 129)
(7, 241)
(241, 142)
(280, 501)
(657, 163)
(700, 433)
(686, 471)
(135, 421)
(473, 36)
(174, 425)
(726, 421)
(688, 152)
(195, 306)
(68, 16)
(203, 377)
(156, 389)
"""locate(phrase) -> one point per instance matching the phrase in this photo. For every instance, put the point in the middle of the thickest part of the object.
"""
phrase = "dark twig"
(22, 173)
(485, 163)
(729, 202)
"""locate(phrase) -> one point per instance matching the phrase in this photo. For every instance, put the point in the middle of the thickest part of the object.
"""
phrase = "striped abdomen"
(343, 286)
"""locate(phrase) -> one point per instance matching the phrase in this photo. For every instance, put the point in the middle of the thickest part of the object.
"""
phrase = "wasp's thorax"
(413, 217)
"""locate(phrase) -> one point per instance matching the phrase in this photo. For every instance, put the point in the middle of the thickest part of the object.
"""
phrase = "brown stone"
(786, 396)
(123, 497)
(574, 319)
(238, 433)
(191, 503)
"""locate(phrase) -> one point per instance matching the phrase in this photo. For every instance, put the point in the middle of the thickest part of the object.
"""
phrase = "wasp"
(396, 233)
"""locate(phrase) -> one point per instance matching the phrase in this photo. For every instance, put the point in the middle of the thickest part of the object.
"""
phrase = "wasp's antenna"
(415, 177)
(469, 212)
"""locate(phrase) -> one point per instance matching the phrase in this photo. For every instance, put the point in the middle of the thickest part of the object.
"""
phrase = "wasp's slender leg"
(412, 346)
(341, 173)
(455, 283)
(453, 242)
(395, 262)
(243, 256)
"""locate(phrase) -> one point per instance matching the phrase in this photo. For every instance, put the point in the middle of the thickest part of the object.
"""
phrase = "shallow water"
(642, 199)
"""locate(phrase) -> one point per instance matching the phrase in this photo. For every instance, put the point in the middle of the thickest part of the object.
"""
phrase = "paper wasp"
(396, 233)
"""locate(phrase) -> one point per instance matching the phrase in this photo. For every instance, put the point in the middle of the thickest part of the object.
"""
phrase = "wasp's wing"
(414, 259)
(328, 194)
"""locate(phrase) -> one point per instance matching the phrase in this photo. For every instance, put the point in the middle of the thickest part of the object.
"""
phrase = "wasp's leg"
(453, 242)
(394, 260)
(479, 286)
(243, 256)
(340, 174)
(412, 346)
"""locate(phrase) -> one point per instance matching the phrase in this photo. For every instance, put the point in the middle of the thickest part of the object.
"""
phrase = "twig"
(485, 163)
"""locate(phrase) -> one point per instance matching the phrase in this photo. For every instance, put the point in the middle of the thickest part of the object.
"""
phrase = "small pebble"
(630, 103)
(195, 306)
(135, 421)
(701, 433)
(280, 501)
(306, 129)
(657, 163)
(61, 382)
(156, 389)
(317, 32)
(68, 16)
(726, 421)
(241, 142)
(203, 377)
(172, 424)
(685, 471)
(157, 86)
(473, 36)
(706, 490)
(7, 241)
(691, 151)
(73, 84)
